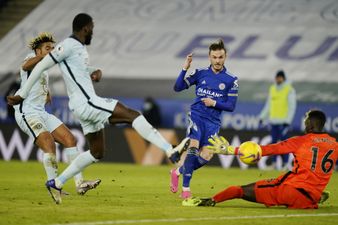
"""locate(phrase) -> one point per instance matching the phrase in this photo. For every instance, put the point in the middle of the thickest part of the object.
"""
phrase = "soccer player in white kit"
(43, 127)
(92, 111)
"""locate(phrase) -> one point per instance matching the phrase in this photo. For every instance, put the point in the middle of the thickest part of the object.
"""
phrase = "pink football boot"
(173, 181)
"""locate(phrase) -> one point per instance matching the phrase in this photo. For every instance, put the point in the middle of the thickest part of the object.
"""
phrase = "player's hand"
(96, 75)
(14, 100)
(208, 102)
(220, 145)
(187, 62)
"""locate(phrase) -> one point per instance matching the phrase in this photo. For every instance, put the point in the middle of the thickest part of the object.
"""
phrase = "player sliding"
(91, 110)
(315, 154)
(216, 91)
(43, 127)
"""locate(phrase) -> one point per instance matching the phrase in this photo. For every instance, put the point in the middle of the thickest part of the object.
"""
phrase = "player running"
(216, 91)
(43, 127)
(91, 110)
(315, 154)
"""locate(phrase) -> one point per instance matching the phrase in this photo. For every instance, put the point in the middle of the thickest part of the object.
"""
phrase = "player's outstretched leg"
(231, 192)
(123, 114)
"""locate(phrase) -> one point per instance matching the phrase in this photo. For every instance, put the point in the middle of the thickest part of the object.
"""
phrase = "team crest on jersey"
(204, 82)
(37, 126)
(221, 86)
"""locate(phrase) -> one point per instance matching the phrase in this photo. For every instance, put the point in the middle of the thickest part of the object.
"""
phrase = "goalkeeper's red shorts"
(273, 192)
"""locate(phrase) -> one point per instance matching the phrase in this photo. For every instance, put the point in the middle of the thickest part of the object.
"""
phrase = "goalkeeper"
(315, 155)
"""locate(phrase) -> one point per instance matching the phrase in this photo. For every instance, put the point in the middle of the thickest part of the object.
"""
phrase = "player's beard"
(218, 67)
(88, 39)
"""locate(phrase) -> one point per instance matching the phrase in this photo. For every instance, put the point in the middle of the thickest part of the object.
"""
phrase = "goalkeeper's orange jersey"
(315, 158)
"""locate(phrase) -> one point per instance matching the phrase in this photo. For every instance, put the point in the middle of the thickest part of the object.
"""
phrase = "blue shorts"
(201, 129)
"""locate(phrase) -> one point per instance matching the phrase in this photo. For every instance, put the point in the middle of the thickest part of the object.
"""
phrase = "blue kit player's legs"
(197, 155)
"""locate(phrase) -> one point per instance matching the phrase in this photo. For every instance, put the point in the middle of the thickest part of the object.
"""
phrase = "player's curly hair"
(41, 38)
(219, 45)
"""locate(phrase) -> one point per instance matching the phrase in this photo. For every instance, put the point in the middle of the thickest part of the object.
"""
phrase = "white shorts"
(94, 114)
(34, 123)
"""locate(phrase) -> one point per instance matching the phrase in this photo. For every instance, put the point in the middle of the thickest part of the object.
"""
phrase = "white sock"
(71, 154)
(77, 165)
(50, 165)
(185, 188)
(148, 132)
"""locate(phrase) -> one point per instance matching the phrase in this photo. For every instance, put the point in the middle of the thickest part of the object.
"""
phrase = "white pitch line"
(198, 219)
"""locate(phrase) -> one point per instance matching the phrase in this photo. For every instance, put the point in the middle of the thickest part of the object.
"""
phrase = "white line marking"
(173, 220)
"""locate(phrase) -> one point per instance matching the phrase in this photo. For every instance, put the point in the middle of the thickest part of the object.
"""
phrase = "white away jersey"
(37, 96)
(73, 59)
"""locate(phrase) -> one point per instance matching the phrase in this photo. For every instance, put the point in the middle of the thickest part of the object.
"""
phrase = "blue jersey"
(221, 87)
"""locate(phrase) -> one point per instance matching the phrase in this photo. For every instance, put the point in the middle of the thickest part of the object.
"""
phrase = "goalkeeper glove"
(220, 145)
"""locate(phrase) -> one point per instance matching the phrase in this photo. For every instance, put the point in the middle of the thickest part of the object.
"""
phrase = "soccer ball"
(250, 152)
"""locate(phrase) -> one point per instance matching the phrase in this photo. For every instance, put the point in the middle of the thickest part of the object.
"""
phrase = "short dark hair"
(317, 118)
(280, 73)
(81, 20)
(219, 45)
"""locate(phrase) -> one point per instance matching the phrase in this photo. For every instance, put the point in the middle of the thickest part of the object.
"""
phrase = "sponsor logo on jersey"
(204, 92)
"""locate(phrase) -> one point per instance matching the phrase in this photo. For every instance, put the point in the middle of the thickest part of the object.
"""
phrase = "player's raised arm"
(187, 62)
(30, 63)
(182, 82)
(43, 65)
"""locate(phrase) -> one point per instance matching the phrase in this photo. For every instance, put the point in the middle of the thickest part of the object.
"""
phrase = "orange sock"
(229, 193)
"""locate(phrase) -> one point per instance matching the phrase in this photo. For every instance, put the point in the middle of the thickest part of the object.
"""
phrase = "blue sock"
(200, 162)
(189, 165)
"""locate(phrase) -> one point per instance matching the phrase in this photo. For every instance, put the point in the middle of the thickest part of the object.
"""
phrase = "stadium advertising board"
(124, 145)
(174, 114)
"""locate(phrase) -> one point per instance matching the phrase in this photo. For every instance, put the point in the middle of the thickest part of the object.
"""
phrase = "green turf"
(136, 194)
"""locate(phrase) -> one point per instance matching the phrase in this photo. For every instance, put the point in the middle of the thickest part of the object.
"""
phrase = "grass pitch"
(133, 194)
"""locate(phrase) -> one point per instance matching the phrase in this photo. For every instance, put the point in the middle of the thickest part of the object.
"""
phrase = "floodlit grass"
(133, 194)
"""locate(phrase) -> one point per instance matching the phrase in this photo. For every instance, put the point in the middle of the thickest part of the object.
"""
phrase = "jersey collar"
(73, 36)
(224, 70)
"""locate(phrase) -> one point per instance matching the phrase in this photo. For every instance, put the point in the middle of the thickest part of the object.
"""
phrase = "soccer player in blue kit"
(216, 91)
